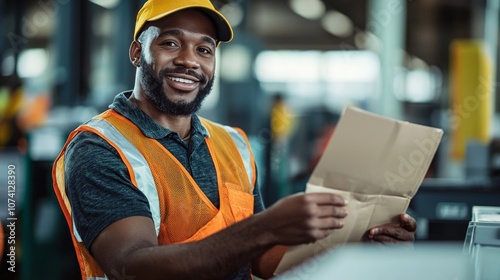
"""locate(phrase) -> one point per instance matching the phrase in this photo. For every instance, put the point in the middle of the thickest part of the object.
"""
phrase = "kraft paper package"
(377, 164)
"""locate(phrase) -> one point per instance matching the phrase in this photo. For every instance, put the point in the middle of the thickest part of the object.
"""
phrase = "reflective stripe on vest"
(142, 172)
(244, 151)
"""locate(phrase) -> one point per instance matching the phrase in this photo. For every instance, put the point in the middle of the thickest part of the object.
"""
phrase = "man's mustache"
(182, 70)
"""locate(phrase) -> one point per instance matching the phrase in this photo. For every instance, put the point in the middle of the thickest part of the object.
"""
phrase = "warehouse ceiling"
(431, 25)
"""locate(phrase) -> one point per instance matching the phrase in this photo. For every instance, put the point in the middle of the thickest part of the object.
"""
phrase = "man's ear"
(135, 53)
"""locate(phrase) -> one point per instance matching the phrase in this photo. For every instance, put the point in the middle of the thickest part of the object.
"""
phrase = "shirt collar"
(145, 123)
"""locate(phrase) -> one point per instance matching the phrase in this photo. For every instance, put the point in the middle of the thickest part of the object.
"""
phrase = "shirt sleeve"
(98, 186)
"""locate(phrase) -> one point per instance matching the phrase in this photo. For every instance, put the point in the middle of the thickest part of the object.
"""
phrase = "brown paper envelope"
(377, 164)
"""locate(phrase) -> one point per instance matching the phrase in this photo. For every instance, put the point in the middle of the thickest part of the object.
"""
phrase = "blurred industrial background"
(290, 70)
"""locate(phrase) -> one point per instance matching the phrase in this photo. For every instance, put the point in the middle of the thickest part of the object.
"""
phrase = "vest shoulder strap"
(242, 143)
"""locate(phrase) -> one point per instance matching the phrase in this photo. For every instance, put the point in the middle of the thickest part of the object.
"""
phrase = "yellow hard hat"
(156, 9)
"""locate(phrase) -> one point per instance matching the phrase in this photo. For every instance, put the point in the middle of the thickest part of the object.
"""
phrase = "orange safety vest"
(190, 216)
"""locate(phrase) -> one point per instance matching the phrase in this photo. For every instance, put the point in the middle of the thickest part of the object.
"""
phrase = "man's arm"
(129, 246)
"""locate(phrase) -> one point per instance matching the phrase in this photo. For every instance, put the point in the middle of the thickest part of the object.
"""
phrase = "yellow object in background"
(471, 84)
(281, 119)
(11, 104)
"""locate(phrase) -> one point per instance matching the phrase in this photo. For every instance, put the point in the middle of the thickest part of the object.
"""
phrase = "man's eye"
(168, 43)
(205, 50)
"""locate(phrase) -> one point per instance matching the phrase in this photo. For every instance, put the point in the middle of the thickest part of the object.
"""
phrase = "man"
(152, 191)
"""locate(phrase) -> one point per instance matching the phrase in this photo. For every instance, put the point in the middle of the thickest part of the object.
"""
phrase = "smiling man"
(153, 191)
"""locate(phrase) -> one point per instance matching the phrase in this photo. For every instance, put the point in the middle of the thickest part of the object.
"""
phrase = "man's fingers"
(393, 232)
(408, 222)
(332, 211)
(386, 240)
(331, 223)
(326, 198)
(404, 232)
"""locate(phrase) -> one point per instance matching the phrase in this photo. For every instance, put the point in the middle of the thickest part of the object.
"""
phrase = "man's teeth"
(181, 80)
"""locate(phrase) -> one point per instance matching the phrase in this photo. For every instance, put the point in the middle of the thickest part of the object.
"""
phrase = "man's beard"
(153, 88)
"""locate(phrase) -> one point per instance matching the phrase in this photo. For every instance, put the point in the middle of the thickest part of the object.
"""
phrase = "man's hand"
(394, 233)
(297, 219)
(303, 218)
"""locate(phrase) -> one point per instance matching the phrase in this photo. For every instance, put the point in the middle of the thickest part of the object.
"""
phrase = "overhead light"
(346, 66)
(236, 63)
(417, 63)
(233, 13)
(32, 63)
(420, 86)
(108, 4)
(310, 9)
(337, 24)
(366, 40)
(288, 66)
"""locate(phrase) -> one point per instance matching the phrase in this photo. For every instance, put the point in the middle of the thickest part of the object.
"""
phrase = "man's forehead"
(188, 20)
(179, 33)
